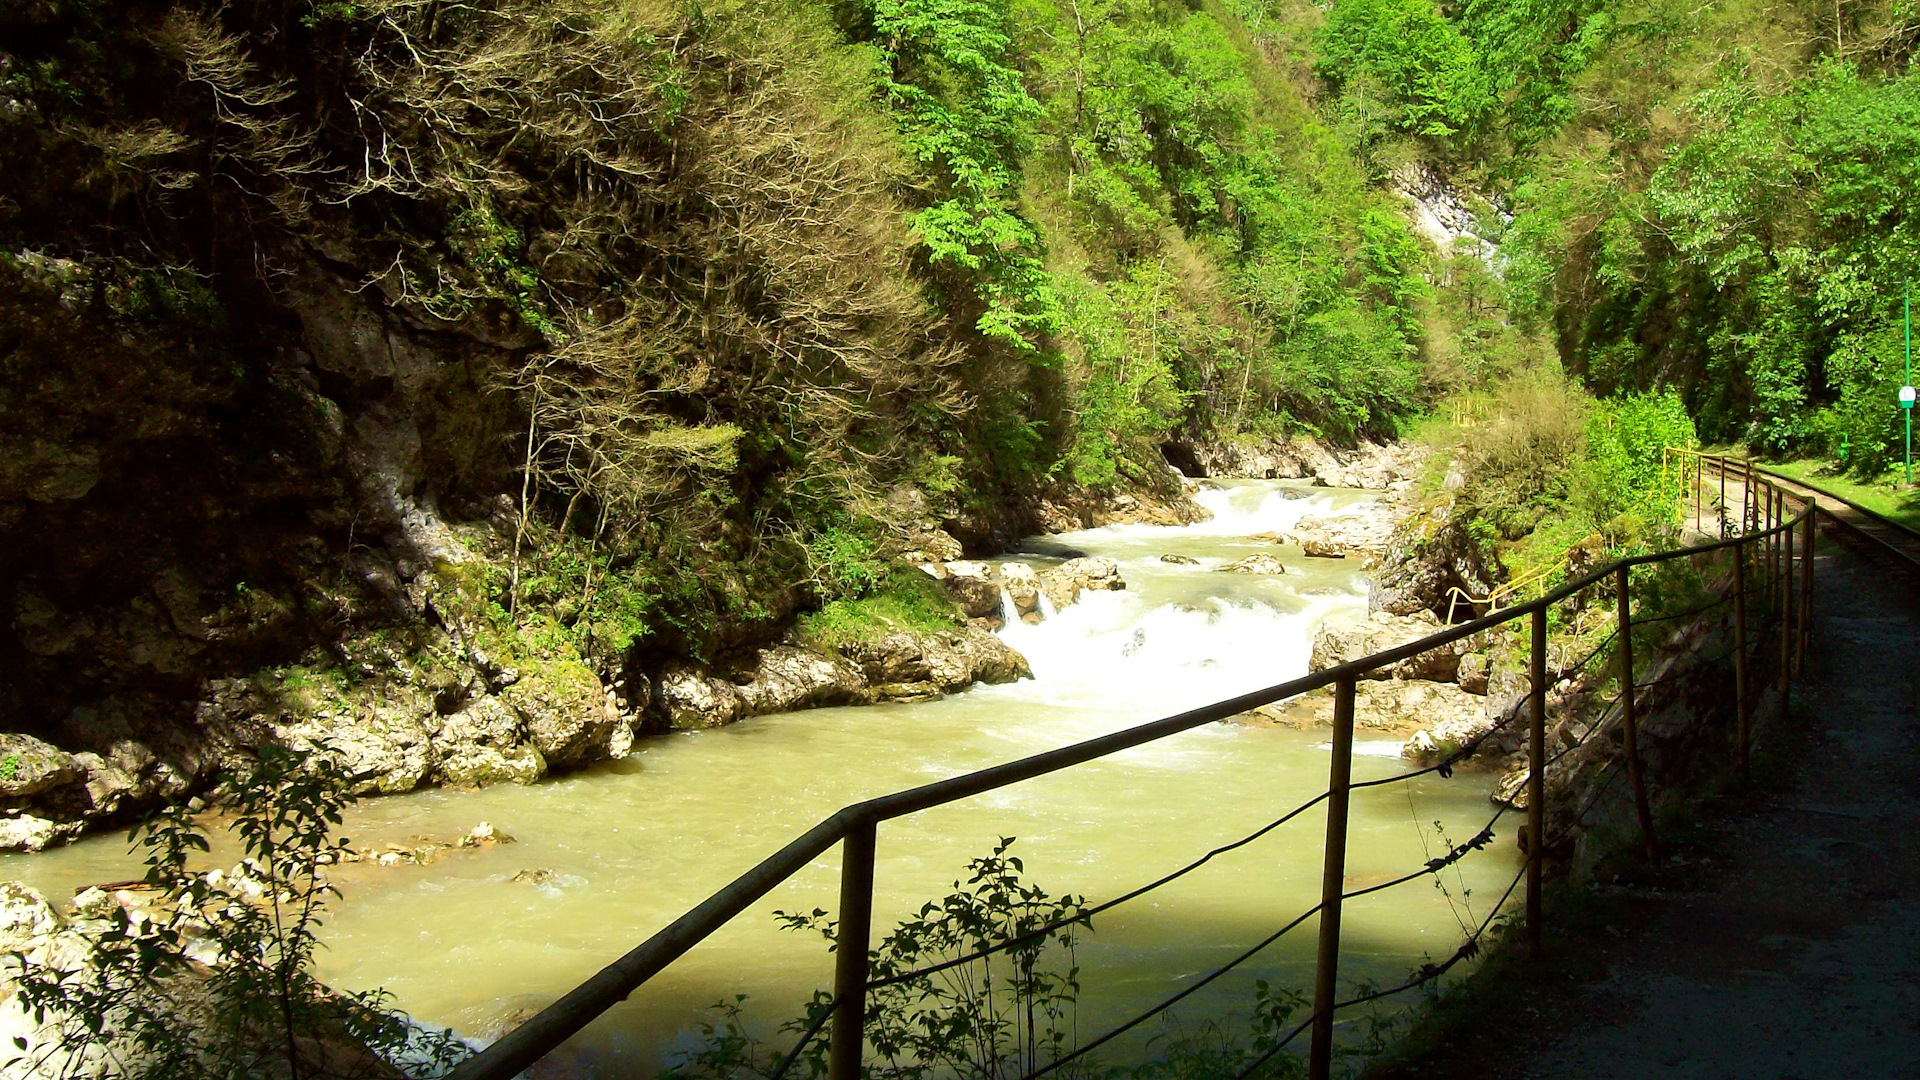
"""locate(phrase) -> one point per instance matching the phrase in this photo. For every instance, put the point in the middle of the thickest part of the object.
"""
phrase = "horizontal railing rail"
(1809, 490)
(1768, 543)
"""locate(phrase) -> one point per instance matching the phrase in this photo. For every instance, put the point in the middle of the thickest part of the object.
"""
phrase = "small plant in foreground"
(214, 979)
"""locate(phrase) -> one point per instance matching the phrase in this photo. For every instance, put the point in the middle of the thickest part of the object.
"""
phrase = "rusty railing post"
(1537, 780)
(1630, 722)
(1806, 585)
(1786, 610)
(850, 953)
(1748, 500)
(1773, 548)
(1333, 883)
(1782, 557)
(1699, 490)
(1725, 518)
(1740, 653)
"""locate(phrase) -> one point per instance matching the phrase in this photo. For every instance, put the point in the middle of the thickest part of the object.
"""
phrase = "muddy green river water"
(633, 843)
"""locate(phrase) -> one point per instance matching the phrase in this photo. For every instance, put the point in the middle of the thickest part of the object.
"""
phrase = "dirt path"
(1781, 939)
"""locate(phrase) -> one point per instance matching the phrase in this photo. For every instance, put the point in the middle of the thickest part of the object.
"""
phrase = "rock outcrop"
(911, 666)
(901, 666)
(1379, 467)
(1434, 564)
(1340, 640)
(1162, 497)
(977, 588)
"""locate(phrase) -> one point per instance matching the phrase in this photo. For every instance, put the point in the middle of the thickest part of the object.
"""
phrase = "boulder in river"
(1063, 584)
(912, 665)
(29, 766)
(972, 587)
(1180, 560)
(686, 698)
(485, 743)
(568, 715)
(1262, 563)
(786, 677)
(1343, 639)
(1433, 564)
(1022, 586)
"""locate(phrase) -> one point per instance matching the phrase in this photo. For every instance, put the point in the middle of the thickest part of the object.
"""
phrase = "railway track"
(1839, 515)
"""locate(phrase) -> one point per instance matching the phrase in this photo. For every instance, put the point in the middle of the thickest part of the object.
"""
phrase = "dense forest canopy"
(714, 307)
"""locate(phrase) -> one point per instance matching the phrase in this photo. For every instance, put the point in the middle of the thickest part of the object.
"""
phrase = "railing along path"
(1769, 572)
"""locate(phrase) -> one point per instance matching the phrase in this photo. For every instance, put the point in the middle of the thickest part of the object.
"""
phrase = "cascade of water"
(1047, 610)
(1009, 611)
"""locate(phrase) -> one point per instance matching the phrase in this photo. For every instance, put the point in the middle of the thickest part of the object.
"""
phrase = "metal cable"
(1085, 916)
(1597, 650)
(806, 1037)
(1430, 972)
(1469, 948)
(1277, 1047)
(1175, 999)
(1435, 865)
(1649, 620)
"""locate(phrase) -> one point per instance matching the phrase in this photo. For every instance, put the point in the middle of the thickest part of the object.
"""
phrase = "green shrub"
(258, 1010)
(902, 599)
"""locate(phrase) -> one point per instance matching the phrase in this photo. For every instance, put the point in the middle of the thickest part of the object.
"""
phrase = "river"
(633, 843)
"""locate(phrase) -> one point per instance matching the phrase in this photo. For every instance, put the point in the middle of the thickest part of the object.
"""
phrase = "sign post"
(1906, 387)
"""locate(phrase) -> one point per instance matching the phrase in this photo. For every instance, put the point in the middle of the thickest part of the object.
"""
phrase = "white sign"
(1906, 397)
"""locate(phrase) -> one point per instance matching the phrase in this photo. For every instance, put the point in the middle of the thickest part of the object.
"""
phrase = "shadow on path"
(1779, 941)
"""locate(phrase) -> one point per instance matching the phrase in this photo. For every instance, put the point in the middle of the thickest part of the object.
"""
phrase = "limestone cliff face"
(186, 503)
(196, 561)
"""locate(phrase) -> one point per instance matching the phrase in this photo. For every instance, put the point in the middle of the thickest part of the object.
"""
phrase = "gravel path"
(1782, 941)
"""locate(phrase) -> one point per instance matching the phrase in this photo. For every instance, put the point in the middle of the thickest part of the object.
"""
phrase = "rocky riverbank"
(1475, 693)
(440, 688)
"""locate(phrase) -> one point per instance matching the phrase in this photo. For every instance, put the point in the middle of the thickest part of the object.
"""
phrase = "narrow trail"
(1780, 941)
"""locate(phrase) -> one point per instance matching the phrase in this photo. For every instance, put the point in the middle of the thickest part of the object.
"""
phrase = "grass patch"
(1881, 495)
(906, 600)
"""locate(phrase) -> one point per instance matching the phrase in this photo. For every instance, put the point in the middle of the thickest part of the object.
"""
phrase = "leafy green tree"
(964, 111)
(1410, 54)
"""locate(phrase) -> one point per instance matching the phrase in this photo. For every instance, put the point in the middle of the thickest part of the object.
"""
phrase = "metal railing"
(1763, 552)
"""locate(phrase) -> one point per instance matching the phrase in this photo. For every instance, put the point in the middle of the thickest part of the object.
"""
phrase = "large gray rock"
(1021, 584)
(29, 833)
(383, 740)
(1343, 639)
(1262, 563)
(1365, 529)
(1063, 584)
(685, 698)
(1404, 706)
(786, 677)
(1434, 564)
(568, 715)
(24, 916)
(917, 665)
(29, 766)
(486, 743)
(1379, 466)
(972, 586)
(1458, 722)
